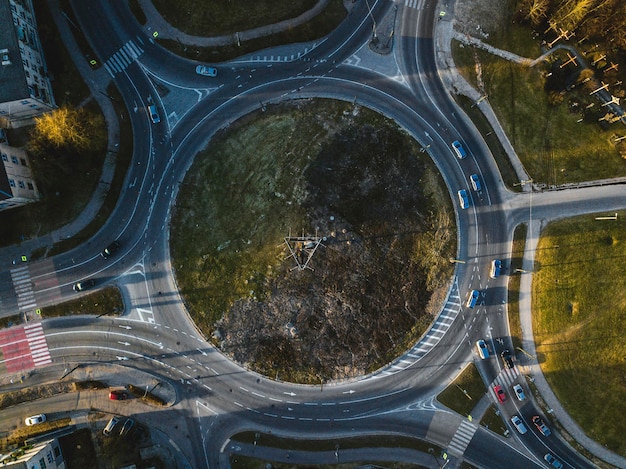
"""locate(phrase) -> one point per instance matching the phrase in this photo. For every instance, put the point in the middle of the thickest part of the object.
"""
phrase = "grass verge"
(554, 147)
(78, 449)
(246, 462)
(517, 255)
(579, 296)
(318, 27)
(464, 392)
(492, 420)
(201, 18)
(106, 301)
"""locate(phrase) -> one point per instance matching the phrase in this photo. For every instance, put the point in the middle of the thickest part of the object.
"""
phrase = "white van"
(518, 424)
(483, 351)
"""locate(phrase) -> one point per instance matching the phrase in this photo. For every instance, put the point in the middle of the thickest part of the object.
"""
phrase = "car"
(518, 424)
(110, 426)
(500, 394)
(519, 392)
(507, 359)
(458, 149)
(117, 395)
(154, 114)
(472, 298)
(127, 427)
(110, 249)
(463, 198)
(541, 426)
(206, 71)
(496, 267)
(35, 420)
(84, 285)
(554, 462)
(475, 182)
(483, 351)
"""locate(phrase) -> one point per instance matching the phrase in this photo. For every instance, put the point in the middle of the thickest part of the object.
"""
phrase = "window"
(12, 182)
(21, 184)
(50, 458)
(14, 159)
(25, 101)
(42, 464)
(30, 186)
(23, 161)
(5, 157)
(57, 451)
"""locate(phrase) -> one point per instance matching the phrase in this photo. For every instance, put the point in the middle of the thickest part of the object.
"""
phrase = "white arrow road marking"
(121, 358)
(125, 327)
(123, 343)
(290, 393)
(349, 392)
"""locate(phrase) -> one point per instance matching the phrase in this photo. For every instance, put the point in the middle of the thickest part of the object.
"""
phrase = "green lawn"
(554, 148)
(464, 392)
(579, 300)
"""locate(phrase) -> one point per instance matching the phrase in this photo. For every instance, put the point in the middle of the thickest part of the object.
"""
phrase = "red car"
(499, 393)
(117, 395)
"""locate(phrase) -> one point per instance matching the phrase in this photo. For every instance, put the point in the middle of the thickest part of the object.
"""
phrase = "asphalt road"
(220, 398)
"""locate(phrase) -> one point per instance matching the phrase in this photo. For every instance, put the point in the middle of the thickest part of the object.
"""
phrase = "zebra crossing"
(37, 344)
(23, 289)
(506, 378)
(416, 4)
(462, 438)
(124, 56)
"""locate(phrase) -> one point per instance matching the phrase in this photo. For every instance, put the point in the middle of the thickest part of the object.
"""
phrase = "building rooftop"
(12, 80)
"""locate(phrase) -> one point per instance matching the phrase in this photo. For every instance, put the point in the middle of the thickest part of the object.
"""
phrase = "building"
(25, 89)
(43, 455)
(17, 186)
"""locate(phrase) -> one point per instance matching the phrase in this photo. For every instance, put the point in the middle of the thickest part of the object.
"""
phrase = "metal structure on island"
(302, 249)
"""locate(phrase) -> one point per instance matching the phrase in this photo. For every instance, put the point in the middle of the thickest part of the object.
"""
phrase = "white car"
(206, 71)
(496, 267)
(35, 419)
(518, 424)
(463, 199)
(483, 351)
(458, 149)
(472, 299)
(519, 392)
(154, 114)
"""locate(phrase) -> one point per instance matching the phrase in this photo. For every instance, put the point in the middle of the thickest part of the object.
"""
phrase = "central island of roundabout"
(311, 241)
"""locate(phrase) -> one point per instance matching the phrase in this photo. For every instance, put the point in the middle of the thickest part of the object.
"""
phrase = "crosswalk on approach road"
(124, 56)
(23, 286)
(462, 438)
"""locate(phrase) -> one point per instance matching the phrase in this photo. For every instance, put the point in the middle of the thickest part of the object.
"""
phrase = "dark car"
(84, 285)
(117, 395)
(507, 359)
(541, 426)
(110, 249)
(554, 462)
(129, 424)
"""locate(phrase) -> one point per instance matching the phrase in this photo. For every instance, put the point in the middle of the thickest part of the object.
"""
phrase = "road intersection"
(219, 398)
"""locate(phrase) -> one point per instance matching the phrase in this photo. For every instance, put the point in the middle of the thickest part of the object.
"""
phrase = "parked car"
(206, 71)
(507, 359)
(118, 395)
(518, 424)
(127, 427)
(463, 199)
(554, 462)
(483, 351)
(35, 419)
(84, 285)
(154, 114)
(541, 426)
(496, 267)
(519, 392)
(475, 182)
(458, 149)
(110, 426)
(500, 394)
(472, 298)
(110, 249)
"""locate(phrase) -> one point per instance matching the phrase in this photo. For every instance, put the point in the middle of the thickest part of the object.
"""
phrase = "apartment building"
(44, 455)
(17, 186)
(25, 89)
